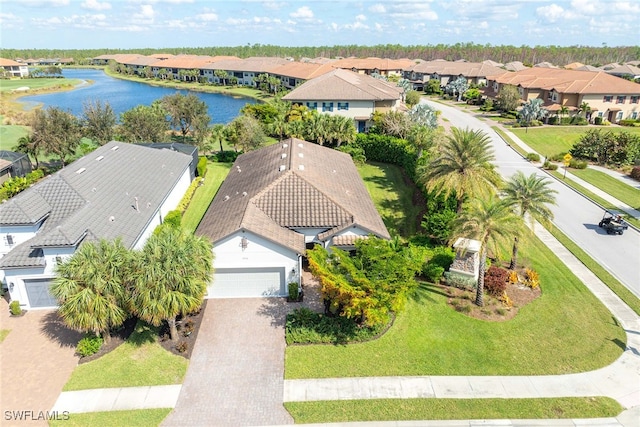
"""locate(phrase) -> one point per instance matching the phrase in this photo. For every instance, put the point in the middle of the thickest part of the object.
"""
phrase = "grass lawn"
(140, 361)
(550, 140)
(621, 191)
(9, 135)
(36, 84)
(394, 202)
(139, 418)
(216, 173)
(451, 409)
(4, 333)
(510, 141)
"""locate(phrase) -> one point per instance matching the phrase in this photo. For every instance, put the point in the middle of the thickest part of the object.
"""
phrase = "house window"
(549, 96)
(600, 114)
(327, 106)
(312, 105)
(634, 115)
(343, 105)
(634, 99)
(621, 99)
(619, 116)
(608, 98)
(8, 240)
(554, 96)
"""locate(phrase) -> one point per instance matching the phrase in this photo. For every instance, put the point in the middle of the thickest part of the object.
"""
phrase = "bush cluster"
(531, 278)
(89, 345)
(188, 195)
(495, 280)
(15, 185)
(225, 156)
(635, 173)
(578, 164)
(533, 157)
(459, 281)
(388, 149)
(629, 122)
(201, 169)
(14, 308)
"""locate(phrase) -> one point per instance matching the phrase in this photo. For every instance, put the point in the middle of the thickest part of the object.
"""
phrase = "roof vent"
(79, 171)
(226, 197)
(244, 194)
(239, 170)
(284, 155)
(115, 148)
(285, 145)
(300, 145)
(99, 158)
(112, 218)
(301, 155)
(282, 168)
(301, 167)
(94, 189)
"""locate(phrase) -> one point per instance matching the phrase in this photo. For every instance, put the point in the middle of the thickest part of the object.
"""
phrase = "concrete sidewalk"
(118, 399)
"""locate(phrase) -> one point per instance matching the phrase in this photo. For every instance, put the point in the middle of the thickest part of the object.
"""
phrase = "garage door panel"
(38, 293)
(247, 282)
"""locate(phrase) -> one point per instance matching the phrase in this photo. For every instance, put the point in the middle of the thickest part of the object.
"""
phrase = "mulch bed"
(188, 328)
(493, 310)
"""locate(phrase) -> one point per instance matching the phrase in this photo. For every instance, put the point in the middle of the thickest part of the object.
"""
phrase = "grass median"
(134, 418)
(216, 173)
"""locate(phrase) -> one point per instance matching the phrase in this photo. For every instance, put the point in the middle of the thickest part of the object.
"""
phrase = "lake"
(123, 95)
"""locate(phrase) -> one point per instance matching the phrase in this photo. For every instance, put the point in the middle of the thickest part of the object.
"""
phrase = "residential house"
(295, 73)
(515, 66)
(275, 203)
(476, 73)
(625, 71)
(243, 71)
(608, 97)
(13, 165)
(14, 68)
(345, 93)
(118, 191)
(382, 66)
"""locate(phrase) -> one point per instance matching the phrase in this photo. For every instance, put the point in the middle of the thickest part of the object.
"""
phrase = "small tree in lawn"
(492, 222)
(171, 276)
(90, 287)
(508, 98)
(531, 111)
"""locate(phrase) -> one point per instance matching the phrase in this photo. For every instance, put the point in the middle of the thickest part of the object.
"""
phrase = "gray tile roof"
(345, 85)
(291, 185)
(112, 192)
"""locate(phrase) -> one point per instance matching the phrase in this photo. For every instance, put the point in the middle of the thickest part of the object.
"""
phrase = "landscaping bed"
(188, 328)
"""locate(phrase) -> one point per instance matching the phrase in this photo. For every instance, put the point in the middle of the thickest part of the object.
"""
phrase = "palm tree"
(462, 165)
(28, 146)
(584, 108)
(90, 287)
(529, 195)
(563, 112)
(171, 276)
(217, 135)
(278, 126)
(343, 130)
(492, 222)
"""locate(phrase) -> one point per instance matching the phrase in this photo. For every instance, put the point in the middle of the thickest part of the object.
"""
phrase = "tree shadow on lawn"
(424, 290)
(54, 328)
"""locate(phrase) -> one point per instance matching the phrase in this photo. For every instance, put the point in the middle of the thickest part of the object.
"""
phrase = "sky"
(131, 24)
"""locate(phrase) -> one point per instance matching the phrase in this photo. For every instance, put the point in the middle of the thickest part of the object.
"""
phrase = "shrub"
(629, 122)
(578, 164)
(462, 307)
(14, 308)
(505, 300)
(89, 345)
(531, 278)
(226, 156)
(513, 277)
(173, 219)
(552, 167)
(182, 346)
(533, 157)
(294, 291)
(495, 280)
(439, 261)
(356, 152)
(188, 195)
(597, 121)
(578, 121)
(635, 173)
(202, 166)
(553, 120)
(459, 281)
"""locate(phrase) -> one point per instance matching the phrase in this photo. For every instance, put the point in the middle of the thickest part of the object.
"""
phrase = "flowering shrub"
(531, 278)
(495, 280)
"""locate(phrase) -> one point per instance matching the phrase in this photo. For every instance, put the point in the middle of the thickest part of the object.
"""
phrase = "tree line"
(473, 52)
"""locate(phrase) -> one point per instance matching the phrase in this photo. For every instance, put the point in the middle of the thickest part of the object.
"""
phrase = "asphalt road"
(575, 216)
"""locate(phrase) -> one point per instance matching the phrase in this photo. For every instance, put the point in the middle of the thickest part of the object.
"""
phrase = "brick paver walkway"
(236, 374)
(36, 360)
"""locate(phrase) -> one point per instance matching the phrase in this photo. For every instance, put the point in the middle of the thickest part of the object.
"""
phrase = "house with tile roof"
(243, 71)
(609, 97)
(118, 191)
(446, 71)
(14, 68)
(383, 66)
(345, 93)
(276, 202)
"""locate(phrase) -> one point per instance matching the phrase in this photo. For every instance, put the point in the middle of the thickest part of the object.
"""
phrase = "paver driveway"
(236, 373)
(36, 360)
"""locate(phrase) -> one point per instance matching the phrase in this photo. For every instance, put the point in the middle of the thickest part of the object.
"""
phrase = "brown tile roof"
(448, 68)
(302, 70)
(626, 69)
(574, 65)
(382, 64)
(9, 63)
(515, 66)
(290, 185)
(345, 85)
(253, 64)
(185, 62)
(568, 81)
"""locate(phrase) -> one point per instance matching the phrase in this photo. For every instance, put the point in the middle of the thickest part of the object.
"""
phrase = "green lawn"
(139, 418)
(216, 173)
(140, 361)
(550, 140)
(394, 202)
(621, 191)
(36, 84)
(9, 135)
(4, 333)
(451, 409)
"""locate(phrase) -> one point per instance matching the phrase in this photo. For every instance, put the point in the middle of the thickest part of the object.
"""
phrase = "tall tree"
(461, 163)
(187, 112)
(530, 196)
(98, 121)
(91, 289)
(492, 222)
(144, 124)
(246, 133)
(217, 135)
(508, 99)
(532, 110)
(27, 145)
(424, 115)
(56, 131)
(171, 277)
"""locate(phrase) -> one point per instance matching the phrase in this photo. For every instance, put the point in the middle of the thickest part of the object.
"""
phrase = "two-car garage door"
(247, 282)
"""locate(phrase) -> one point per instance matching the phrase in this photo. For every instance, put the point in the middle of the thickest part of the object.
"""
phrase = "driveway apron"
(236, 372)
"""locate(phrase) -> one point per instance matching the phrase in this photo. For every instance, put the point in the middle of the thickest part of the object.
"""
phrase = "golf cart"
(613, 223)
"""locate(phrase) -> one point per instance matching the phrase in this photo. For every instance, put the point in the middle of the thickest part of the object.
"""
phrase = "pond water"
(123, 95)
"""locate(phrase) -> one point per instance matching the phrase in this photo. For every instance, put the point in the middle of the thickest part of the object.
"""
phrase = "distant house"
(14, 68)
(276, 202)
(244, 71)
(382, 66)
(118, 191)
(609, 97)
(13, 165)
(625, 71)
(446, 71)
(348, 94)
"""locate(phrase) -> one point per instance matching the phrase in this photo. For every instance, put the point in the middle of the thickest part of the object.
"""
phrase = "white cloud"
(411, 12)
(44, 3)
(95, 5)
(356, 26)
(361, 18)
(378, 8)
(551, 13)
(209, 17)
(483, 25)
(146, 12)
(272, 5)
(302, 13)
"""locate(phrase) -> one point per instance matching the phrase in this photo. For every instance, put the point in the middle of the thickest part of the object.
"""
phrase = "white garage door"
(38, 293)
(247, 283)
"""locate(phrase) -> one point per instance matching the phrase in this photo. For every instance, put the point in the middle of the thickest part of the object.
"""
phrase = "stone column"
(467, 261)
